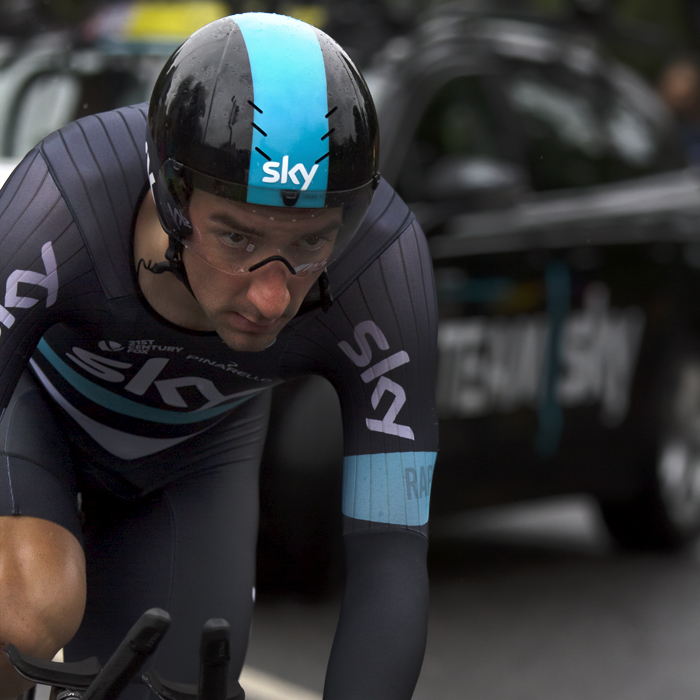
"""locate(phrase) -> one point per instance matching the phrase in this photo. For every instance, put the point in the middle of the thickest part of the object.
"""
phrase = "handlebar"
(77, 676)
(214, 656)
(140, 642)
(99, 684)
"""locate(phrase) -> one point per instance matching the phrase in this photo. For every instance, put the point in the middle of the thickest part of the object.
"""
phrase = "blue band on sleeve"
(389, 488)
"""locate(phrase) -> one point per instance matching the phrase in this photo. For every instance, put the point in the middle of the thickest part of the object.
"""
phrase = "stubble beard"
(239, 341)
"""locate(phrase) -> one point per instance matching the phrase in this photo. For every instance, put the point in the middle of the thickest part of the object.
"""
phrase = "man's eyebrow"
(328, 228)
(224, 218)
(228, 220)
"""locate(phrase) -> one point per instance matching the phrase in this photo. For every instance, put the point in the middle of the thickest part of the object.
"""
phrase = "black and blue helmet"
(263, 109)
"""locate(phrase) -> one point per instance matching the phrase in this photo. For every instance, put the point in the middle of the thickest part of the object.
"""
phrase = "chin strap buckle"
(324, 286)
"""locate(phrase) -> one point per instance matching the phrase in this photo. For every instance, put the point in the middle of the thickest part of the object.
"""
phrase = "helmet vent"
(325, 136)
(262, 153)
(331, 112)
(290, 198)
(254, 106)
(255, 126)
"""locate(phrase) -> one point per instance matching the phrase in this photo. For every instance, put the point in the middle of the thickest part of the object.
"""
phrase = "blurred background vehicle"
(563, 220)
(564, 226)
(111, 59)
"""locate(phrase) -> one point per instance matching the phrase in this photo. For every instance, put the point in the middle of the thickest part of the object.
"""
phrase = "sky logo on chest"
(290, 145)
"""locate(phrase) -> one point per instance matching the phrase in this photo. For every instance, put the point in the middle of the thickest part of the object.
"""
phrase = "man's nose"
(268, 290)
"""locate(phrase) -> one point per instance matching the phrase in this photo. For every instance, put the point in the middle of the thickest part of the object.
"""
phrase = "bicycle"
(86, 680)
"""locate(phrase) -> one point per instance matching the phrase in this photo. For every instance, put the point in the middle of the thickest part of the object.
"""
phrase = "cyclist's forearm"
(380, 642)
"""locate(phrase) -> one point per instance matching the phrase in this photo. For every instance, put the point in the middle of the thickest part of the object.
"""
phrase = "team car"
(564, 226)
(564, 229)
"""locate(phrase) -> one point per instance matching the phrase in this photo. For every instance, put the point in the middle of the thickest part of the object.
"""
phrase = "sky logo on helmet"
(273, 175)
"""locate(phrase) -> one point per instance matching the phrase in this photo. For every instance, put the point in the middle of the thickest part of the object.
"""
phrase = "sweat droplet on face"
(250, 248)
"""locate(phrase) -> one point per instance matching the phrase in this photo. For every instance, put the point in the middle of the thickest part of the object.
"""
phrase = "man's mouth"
(244, 324)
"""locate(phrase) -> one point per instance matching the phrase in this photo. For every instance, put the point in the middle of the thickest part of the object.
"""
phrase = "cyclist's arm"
(380, 641)
(382, 364)
(44, 267)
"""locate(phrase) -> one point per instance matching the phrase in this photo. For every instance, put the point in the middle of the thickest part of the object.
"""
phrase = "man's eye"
(233, 239)
(312, 242)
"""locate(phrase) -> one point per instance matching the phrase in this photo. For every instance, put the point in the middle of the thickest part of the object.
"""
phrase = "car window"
(49, 90)
(52, 99)
(49, 102)
(459, 122)
(579, 131)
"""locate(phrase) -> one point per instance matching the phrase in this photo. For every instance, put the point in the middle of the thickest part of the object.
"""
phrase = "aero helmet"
(266, 110)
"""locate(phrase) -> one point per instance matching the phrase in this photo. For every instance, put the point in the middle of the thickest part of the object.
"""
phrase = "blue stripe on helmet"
(289, 86)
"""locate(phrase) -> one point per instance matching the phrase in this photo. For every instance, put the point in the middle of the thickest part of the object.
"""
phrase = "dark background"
(646, 33)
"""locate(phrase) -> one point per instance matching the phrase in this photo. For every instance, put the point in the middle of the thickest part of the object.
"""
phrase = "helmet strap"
(172, 263)
(324, 287)
(175, 264)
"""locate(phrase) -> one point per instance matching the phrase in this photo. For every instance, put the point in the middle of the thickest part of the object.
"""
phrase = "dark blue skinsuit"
(160, 429)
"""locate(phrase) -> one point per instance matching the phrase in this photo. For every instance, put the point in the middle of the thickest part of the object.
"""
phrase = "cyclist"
(153, 296)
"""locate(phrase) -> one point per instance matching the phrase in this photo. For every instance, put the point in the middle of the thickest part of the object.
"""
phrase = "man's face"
(248, 310)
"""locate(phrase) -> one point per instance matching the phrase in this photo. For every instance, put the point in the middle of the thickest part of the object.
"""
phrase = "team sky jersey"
(137, 384)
